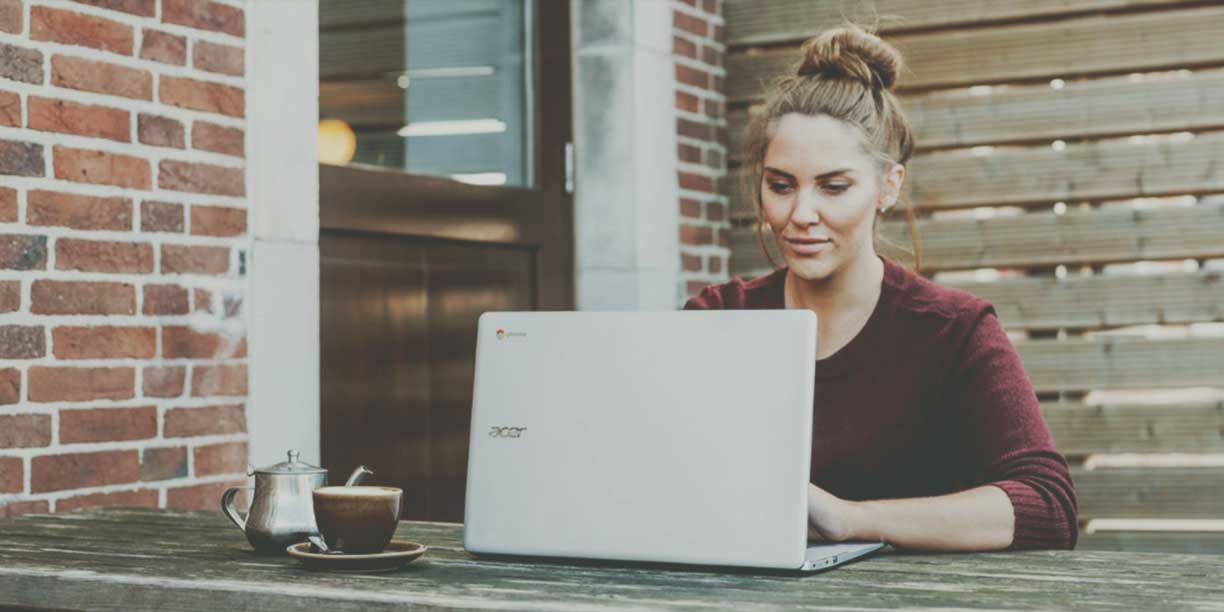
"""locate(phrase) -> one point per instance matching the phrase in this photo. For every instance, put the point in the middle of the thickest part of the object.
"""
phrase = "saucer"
(397, 554)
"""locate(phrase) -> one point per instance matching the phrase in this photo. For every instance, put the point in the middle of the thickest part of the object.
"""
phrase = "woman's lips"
(808, 246)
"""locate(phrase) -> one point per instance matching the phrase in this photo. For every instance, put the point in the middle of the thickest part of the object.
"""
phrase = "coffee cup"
(357, 520)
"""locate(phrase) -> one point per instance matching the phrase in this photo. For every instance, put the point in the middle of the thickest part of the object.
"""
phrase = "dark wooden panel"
(1182, 428)
(1040, 239)
(1174, 542)
(1170, 493)
(1027, 52)
(1104, 301)
(752, 22)
(1122, 363)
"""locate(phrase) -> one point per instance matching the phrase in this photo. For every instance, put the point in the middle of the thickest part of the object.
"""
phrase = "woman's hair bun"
(851, 52)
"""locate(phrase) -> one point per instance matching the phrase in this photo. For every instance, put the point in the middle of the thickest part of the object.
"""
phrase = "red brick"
(693, 129)
(8, 205)
(182, 342)
(218, 380)
(11, 16)
(25, 430)
(144, 8)
(21, 158)
(711, 56)
(690, 23)
(204, 15)
(683, 46)
(710, 6)
(165, 300)
(160, 131)
(10, 108)
(217, 138)
(714, 264)
(226, 458)
(64, 384)
(203, 497)
(23, 252)
(22, 341)
(164, 381)
(724, 238)
(201, 178)
(178, 259)
(101, 77)
(696, 182)
(162, 47)
(80, 470)
(218, 221)
(100, 167)
(107, 424)
(104, 342)
(687, 102)
(714, 159)
(688, 153)
(100, 256)
(82, 297)
(690, 263)
(719, 35)
(10, 296)
(690, 208)
(161, 217)
(692, 76)
(695, 235)
(78, 211)
(715, 211)
(203, 300)
(10, 386)
(712, 108)
(163, 463)
(69, 28)
(206, 421)
(12, 475)
(16, 509)
(202, 95)
(140, 498)
(21, 64)
(217, 58)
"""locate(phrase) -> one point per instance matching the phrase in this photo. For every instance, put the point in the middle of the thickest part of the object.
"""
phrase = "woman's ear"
(894, 178)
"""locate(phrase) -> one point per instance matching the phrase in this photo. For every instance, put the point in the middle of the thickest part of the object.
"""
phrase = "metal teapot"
(282, 511)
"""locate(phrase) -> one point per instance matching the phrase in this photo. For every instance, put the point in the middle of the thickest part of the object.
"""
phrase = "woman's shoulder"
(918, 296)
(739, 294)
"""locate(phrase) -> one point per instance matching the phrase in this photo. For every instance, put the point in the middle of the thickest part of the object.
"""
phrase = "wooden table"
(147, 559)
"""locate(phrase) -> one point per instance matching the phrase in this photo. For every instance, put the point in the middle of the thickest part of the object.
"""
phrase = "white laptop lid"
(680, 437)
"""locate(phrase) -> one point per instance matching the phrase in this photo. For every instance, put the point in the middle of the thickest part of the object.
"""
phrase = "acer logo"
(506, 432)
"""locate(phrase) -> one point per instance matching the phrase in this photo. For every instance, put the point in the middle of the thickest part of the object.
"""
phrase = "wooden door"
(410, 261)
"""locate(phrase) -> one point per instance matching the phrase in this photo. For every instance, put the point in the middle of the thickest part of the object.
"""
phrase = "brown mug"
(357, 520)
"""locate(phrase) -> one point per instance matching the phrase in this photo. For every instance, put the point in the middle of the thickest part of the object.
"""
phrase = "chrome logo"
(501, 334)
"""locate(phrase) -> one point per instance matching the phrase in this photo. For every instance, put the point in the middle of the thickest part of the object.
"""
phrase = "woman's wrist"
(862, 526)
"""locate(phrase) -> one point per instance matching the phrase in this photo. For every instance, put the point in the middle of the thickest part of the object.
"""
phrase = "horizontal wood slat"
(1027, 176)
(1039, 114)
(1172, 428)
(752, 22)
(1104, 301)
(1200, 543)
(1027, 52)
(1037, 239)
(1150, 493)
(1085, 364)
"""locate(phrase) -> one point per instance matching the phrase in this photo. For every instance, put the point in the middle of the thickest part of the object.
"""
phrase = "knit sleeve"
(1008, 439)
(708, 299)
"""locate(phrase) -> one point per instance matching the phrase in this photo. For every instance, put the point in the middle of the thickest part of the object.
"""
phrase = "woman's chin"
(810, 268)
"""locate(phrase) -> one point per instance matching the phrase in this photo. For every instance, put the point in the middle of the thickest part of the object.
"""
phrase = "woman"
(926, 431)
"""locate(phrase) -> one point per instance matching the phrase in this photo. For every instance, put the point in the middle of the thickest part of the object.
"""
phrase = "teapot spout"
(358, 476)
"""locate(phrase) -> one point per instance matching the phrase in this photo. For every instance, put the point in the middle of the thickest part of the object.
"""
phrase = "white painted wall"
(626, 216)
(283, 271)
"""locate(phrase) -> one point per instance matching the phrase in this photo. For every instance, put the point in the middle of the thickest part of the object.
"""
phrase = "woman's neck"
(854, 287)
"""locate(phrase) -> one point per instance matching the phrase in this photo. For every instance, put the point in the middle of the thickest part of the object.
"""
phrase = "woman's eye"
(836, 187)
(778, 187)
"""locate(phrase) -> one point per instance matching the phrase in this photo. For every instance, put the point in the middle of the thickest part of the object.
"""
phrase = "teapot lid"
(292, 466)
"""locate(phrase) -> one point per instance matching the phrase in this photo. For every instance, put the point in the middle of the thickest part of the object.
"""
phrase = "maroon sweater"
(929, 398)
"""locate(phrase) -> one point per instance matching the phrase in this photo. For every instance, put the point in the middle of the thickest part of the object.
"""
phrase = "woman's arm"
(979, 519)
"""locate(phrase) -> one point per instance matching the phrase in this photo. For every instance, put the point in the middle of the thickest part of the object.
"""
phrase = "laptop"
(668, 437)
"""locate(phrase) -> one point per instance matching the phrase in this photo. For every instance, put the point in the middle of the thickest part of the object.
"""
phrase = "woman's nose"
(807, 205)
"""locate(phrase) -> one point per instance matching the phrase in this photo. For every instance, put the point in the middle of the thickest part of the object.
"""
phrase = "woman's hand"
(829, 517)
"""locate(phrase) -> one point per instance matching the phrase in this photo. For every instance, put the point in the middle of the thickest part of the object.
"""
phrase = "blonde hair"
(846, 73)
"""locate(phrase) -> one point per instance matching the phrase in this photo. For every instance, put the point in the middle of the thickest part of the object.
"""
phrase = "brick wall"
(123, 240)
(701, 129)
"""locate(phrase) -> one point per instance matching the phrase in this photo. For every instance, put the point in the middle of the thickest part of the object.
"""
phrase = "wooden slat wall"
(1138, 112)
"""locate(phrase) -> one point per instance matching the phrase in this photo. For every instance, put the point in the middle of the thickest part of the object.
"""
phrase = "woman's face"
(820, 191)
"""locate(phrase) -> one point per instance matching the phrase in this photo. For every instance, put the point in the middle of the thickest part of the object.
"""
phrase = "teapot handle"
(227, 506)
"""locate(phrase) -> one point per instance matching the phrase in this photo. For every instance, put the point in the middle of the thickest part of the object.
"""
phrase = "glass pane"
(428, 86)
